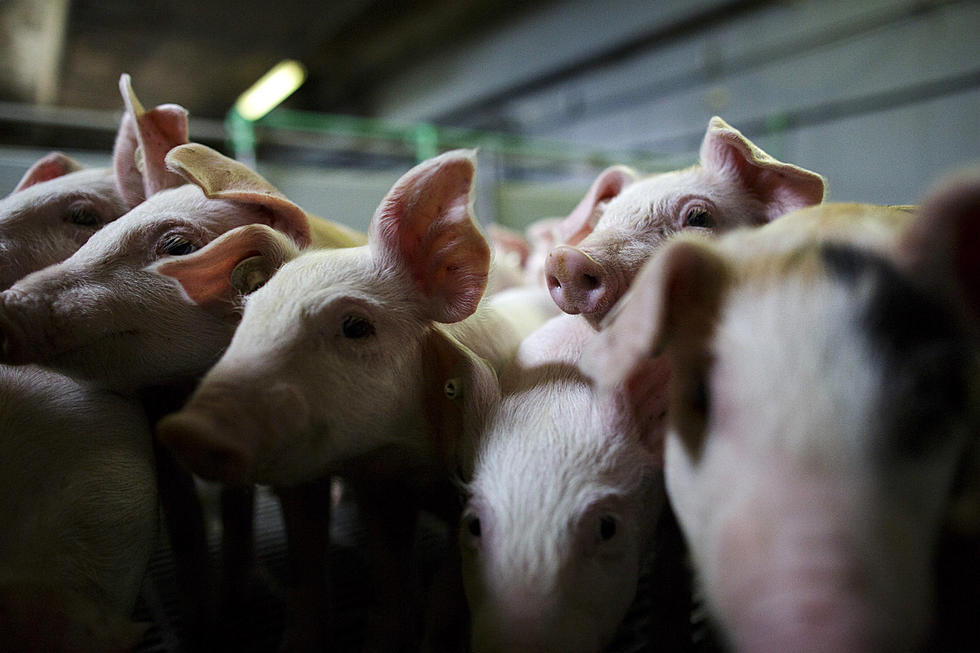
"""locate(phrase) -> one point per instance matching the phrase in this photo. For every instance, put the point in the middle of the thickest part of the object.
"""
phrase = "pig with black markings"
(824, 395)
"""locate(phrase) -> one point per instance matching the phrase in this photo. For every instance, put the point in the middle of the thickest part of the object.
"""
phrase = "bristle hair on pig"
(824, 393)
(562, 502)
(624, 217)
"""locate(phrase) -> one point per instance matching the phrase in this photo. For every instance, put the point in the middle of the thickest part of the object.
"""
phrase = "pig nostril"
(590, 282)
(553, 281)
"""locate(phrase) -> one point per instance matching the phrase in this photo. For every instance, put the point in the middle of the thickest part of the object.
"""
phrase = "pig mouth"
(74, 351)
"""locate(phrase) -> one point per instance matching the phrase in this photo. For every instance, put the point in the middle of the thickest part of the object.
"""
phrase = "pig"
(522, 257)
(824, 392)
(78, 513)
(106, 316)
(372, 363)
(622, 219)
(566, 490)
(58, 205)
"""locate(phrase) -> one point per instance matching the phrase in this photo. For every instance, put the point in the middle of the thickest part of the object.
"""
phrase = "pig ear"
(129, 179)
(157, 132)
(672, 305)
(50, 166)
(942, 245)
(226, 179)
(583, 218)
(236, 263)
(675, 297)
(425, 227)
(509, 242)
(782, 187)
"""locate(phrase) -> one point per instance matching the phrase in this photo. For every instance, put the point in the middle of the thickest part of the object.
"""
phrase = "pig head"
(824, 391)
(345, 352)
(562, 501)
(623, 219)
(57, 205)
(106, 314)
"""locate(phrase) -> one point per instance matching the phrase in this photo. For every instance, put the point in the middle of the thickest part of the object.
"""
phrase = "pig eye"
(607, 528)
(177, 246)
(355, 327)
(698, 217)
(83, 216)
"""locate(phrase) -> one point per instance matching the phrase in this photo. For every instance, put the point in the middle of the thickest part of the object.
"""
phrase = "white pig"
(623, 218)
(565, 492)
(78, 513)
(105, 314)
(825, 386)
(373, 362)
(57, 205)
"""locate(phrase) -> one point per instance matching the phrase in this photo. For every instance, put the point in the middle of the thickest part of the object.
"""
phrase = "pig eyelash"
(174, 245)
(698, 217)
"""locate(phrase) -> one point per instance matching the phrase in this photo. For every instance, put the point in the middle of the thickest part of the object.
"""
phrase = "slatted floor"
(259, 623)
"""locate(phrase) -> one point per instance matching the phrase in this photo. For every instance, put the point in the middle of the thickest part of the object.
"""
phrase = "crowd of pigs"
(796, 381)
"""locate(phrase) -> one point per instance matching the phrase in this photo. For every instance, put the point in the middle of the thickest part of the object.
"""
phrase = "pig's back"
(77, 488)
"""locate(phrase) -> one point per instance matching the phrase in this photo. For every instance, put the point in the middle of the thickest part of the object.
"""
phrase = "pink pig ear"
(157, 131)
(236, 263)
(943, 243)
(50, 166)
(226, 179)
(670, 308)
(583, 218)
(783, 187)
(425, 226)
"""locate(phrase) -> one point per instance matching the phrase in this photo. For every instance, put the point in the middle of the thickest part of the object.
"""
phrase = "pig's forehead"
(95, 184)
(313, 271)
(659, 192)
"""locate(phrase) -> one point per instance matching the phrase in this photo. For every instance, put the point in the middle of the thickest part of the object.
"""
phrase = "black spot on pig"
(919, 343)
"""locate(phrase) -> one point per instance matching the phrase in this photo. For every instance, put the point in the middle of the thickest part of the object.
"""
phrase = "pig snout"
(225, 432)
(523, 626)
(578, 283)
(810, 589)
(205, 443)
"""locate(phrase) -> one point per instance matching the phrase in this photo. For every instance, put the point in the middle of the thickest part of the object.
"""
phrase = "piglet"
(562, 502)
(78, 514)
(623, 218)
(824, 394)
(371, 362)
(58, 205)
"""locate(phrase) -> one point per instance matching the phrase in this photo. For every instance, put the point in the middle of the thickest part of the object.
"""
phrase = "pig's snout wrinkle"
(204, 445)
(577, 282)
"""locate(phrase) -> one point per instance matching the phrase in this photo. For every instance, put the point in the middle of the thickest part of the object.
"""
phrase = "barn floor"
(258, 625)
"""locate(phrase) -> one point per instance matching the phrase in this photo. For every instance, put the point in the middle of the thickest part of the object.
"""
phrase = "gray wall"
(880, 96)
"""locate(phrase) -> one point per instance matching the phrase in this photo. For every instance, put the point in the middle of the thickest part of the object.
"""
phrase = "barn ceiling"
(202, 54)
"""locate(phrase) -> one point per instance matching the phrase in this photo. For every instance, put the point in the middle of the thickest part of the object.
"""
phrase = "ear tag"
(453, 388)
(250, 274)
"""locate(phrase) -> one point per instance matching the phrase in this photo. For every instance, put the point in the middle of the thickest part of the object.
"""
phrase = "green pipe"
(426, 139)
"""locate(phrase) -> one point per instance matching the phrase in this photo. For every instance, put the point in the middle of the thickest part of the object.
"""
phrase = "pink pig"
(371, 362)
(566, 489)
(78, 513)
(622, 219)
(824, 394)
(58, 205)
